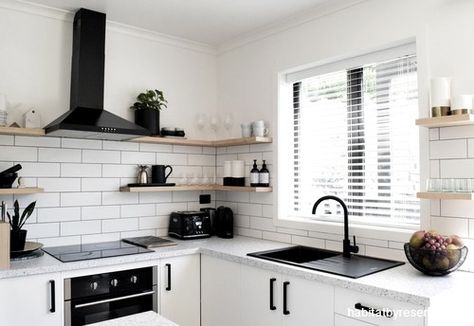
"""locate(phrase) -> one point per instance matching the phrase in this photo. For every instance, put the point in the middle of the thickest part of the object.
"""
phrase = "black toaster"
(189, 225)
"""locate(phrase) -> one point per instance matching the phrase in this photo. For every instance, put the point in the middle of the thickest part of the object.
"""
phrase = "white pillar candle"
(3, 102)
(238, 169)
(440, 92)
(227, 169)
(459, 102)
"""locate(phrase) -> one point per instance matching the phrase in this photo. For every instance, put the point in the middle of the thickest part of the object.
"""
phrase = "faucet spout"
(347, 248)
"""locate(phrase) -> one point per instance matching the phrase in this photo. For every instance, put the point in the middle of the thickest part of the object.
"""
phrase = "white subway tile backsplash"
(120, 145)
(140, 233)
(59, 155)
(81, 170)
(138, 210)
(117, 170)
(119, 198)
(187, 149)
(171, 159)
(80, 228)
(81, 199)
(81, 143)
(386, 253)
(434, 133)
(37, 141)
(274, 236)
(201, 160)
(446, 226)
(155, 197)
(153, 222)
(123, 224)
(456, 208)
(167, 208)
(100, 212)
(162, 148)
(58, 214)
(209, 150)
(40, 170)
(242, 221)
(249, 209)
(6, 140)
(304, 241)
(456, 132)
(434, 168)
(61, 241)
(249, 232)
(42, 200)
(18, 154)
(262, 223)
(60, 184)
(442, 149)
(185, 196)
(457, 168)
(100, 184)
(101, 237)
(42, 230)
(91, 156)
(138, 158)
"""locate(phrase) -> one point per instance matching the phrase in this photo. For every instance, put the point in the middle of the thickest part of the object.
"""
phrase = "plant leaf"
(27, 213)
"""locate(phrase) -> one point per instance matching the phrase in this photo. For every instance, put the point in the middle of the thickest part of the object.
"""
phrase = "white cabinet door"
(180, 290)
(261, 297)
(220, 292)
(29, 300)
(308, 303)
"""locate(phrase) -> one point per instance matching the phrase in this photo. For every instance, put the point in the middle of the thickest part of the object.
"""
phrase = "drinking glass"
(448, 185)
(434, 185)
(463, 185)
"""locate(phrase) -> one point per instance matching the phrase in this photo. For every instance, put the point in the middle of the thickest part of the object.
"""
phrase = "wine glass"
(228, 120)
(214, 122)
(201, 121)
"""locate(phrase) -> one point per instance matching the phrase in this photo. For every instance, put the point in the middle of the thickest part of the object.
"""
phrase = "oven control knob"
(134, 279)
(94, 286)
(114, 282)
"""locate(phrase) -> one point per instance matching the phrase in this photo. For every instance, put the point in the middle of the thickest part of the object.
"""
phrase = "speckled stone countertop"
(402, 283)
(149, 318)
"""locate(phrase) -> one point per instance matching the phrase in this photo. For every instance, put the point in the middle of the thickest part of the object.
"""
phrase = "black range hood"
(87, 117)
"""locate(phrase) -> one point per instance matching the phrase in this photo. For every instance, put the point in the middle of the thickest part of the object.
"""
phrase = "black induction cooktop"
(89, 251)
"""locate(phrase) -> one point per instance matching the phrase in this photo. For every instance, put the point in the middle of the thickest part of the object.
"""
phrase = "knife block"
(4, 245)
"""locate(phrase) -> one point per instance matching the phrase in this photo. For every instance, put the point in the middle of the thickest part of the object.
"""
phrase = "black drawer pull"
(52, 289)
(272, 305)
(378, 312)
(168, 287)
(285, 299)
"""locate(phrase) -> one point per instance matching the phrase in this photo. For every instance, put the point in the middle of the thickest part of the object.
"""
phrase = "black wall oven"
(94, 298)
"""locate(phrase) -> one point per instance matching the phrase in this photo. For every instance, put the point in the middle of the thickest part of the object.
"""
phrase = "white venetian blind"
(354, 136)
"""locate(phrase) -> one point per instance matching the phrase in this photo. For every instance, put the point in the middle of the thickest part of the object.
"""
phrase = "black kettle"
(224, 223)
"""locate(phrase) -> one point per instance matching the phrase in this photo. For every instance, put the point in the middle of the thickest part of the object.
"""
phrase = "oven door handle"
(82, 305)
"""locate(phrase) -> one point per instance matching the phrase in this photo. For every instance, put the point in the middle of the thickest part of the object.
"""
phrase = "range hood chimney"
(87, 117)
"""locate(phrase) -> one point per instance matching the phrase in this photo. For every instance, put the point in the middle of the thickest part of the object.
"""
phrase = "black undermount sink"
(327, 261)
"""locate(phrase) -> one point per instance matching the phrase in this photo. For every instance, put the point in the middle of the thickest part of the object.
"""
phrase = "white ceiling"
(207, 21)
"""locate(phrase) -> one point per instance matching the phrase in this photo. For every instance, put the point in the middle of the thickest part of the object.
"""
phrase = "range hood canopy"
(87, 117)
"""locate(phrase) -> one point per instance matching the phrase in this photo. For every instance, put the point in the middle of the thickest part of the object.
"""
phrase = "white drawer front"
(403, 314)
(344, 321)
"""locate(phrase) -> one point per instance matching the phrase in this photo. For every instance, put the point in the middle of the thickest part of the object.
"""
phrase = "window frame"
(281, 215)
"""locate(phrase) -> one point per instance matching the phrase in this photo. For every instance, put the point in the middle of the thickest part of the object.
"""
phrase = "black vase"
(17, 240)
(149, 119)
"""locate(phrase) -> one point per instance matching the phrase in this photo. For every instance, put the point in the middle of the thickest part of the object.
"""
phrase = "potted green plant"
(17, 234)
(147, 110)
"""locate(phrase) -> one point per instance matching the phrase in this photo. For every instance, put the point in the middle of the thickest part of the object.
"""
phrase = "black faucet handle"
(354, 247)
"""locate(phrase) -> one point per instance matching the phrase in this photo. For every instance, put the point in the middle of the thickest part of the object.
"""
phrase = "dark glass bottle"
(254, 175)
(264, 176)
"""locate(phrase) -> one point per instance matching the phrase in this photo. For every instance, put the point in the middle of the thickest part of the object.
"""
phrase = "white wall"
(35, 71)
(248, 87)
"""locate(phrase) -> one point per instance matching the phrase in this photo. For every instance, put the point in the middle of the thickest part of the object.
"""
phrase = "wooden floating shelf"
(447, 121)
(36, 132)
(20, 191)
(196, 188)
(446, 195)
(206, 143)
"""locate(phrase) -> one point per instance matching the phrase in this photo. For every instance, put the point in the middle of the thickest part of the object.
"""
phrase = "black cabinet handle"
(272, 281)
(168, 287)
(384, 312)
(52, 289)
(285, 299)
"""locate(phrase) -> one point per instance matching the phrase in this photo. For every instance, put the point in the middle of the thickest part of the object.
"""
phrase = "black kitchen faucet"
(347, 248)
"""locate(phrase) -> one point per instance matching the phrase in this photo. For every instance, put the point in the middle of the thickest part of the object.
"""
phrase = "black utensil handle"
(285, 299)
(168, 287)
(13, 169)
(52, 289)
(384, 312)
(272, 305)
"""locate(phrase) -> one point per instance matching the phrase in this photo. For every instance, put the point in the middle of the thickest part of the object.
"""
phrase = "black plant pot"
(17, 240)
(149, 119)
